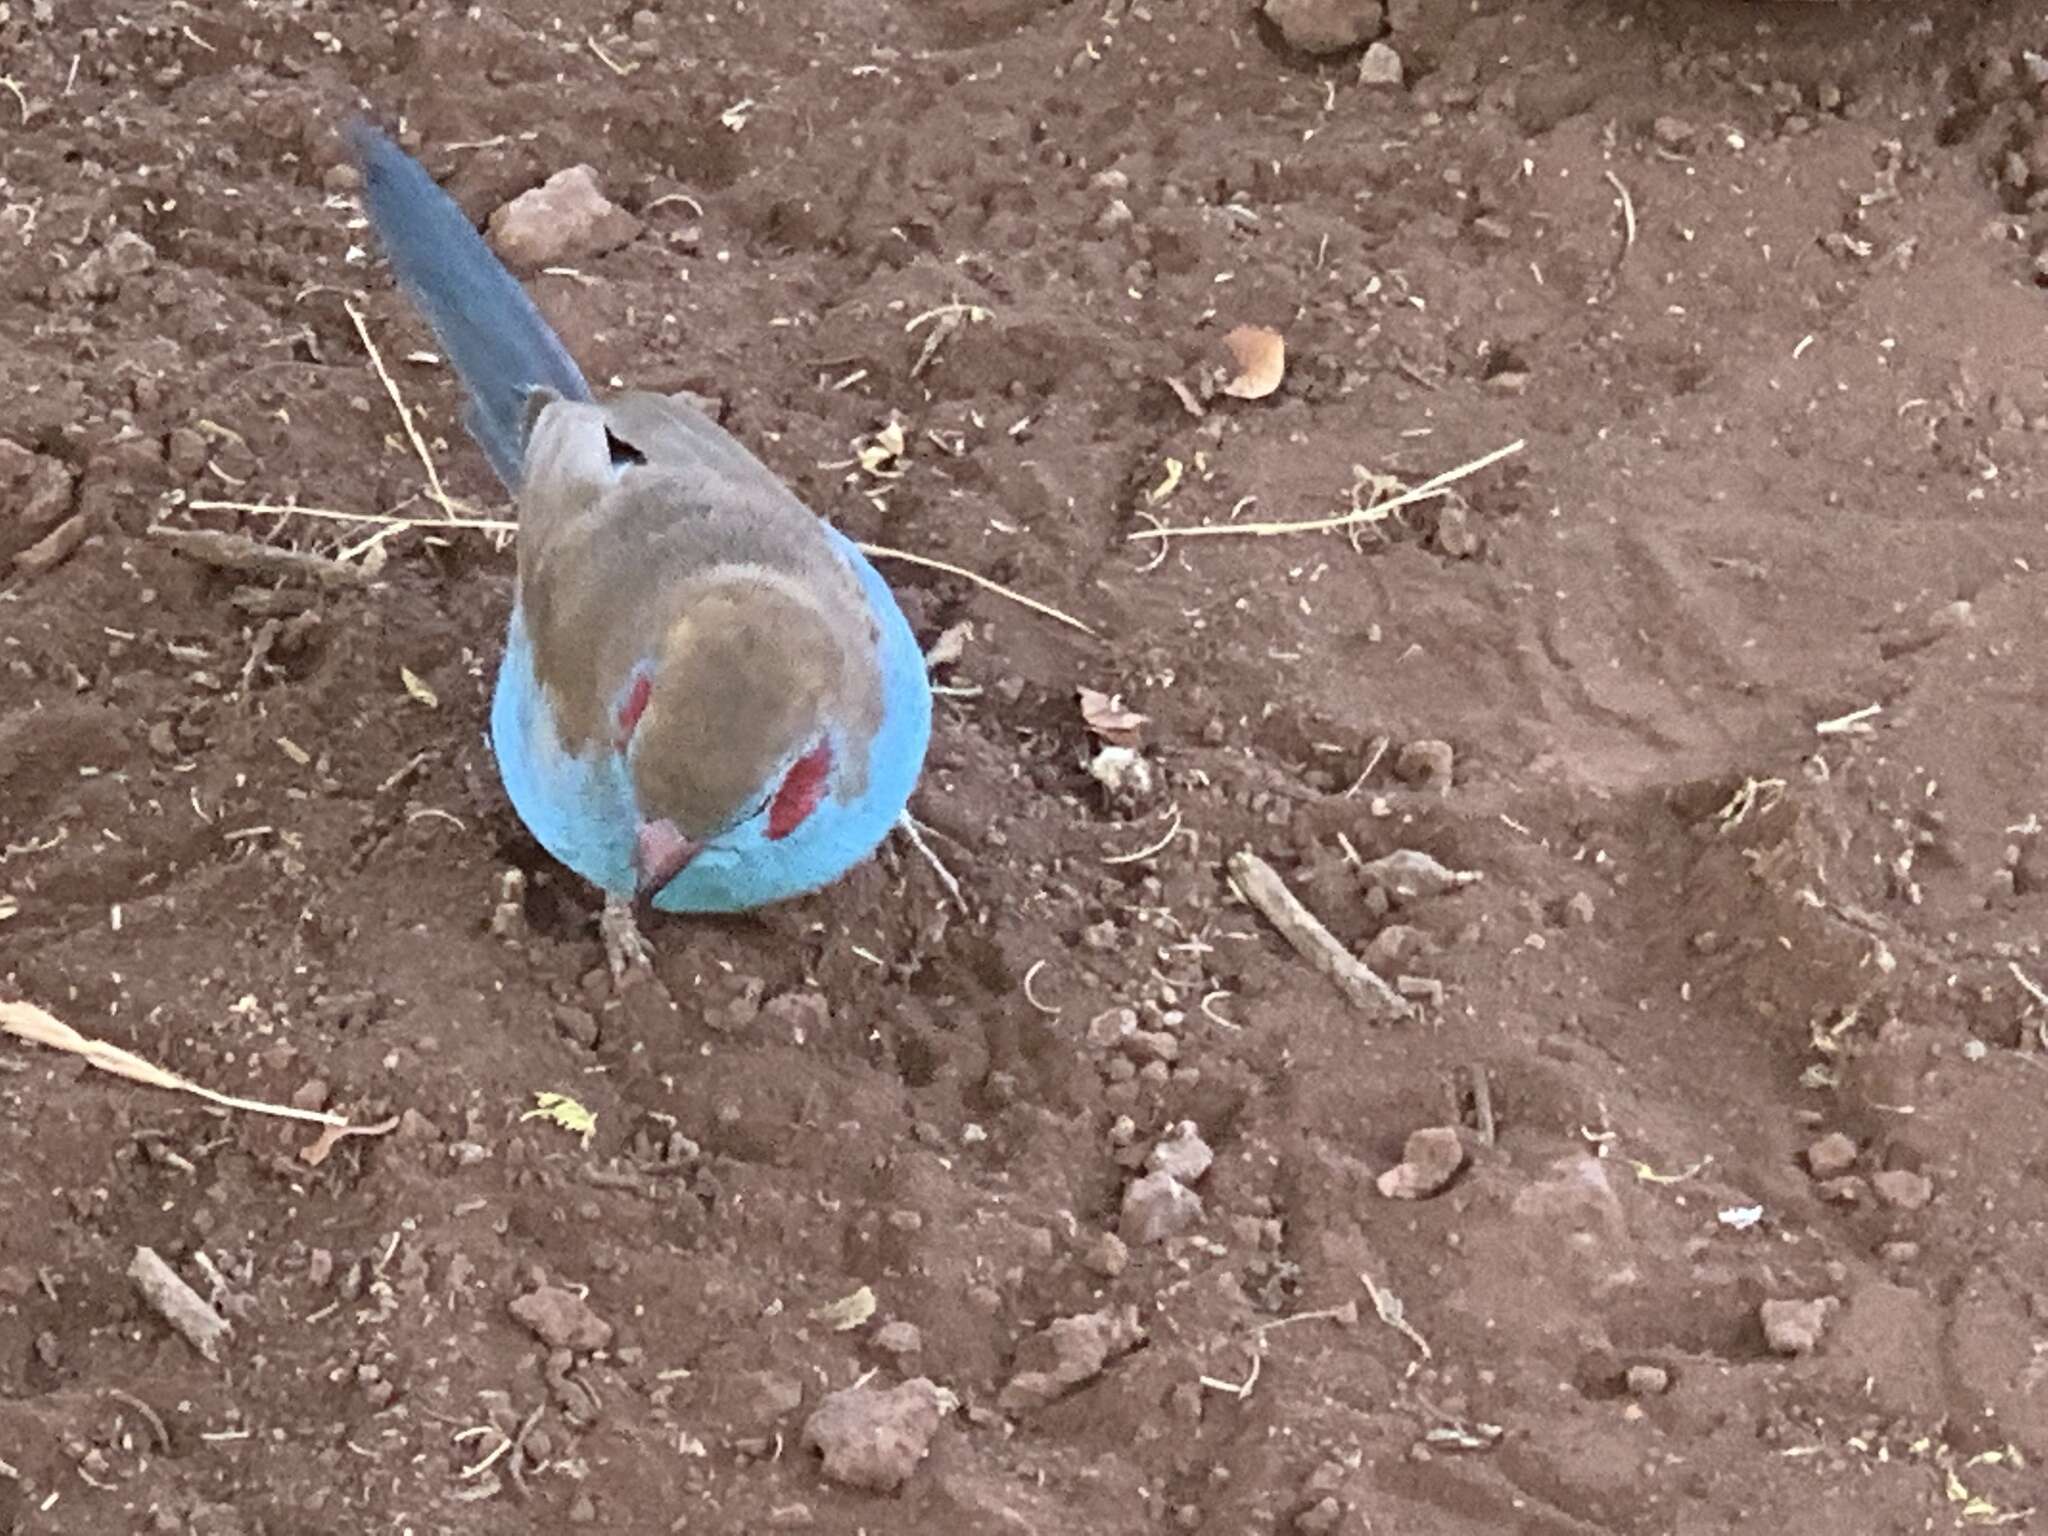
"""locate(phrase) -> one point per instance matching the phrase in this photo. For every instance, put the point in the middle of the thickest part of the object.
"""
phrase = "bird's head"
(725, 725)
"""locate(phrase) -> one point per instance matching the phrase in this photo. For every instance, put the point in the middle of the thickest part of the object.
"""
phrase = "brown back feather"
(701, 561)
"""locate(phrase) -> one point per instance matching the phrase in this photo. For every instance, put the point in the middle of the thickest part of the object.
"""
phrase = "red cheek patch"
(802, 788)
(637, 695)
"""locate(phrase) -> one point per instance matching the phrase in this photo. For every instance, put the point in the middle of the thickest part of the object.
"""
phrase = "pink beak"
(660, 853)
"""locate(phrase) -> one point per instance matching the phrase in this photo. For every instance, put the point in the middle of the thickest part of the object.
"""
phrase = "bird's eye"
(623, 453)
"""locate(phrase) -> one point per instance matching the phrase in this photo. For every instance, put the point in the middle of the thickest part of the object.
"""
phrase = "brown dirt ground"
(1785, 459)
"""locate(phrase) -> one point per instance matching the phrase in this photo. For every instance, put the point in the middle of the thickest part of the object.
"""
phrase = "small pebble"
(1184, 1155)
(1115, 217)
(577, 1024)
(1795, 1327)
(37, 489)
(1430, 1159)
(874, 1438)
(1395, 943)
(803, 1015)
(1427, 764)
(1112, 1027)
(1153, 1045)
(1902, 1188)
(563, 219)
(1325, 26)
(1832, 1156)
(1381, 66)
(771, 1395)
(1157, 1207)
(1673, 133)
(1648, 1380)
(899, 1338)
(561, 1319)
(185, 450)
(100, 275)
(1320, 1517)
(1455, 535)
(1407, 875)
(1107, 1255)
(1067, 1352)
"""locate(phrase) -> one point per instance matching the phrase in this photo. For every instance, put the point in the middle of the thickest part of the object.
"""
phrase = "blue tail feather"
(488, 326)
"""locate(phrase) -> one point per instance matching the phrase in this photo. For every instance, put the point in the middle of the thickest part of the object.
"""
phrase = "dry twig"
(1628, 217)
(1482, 1105)
(1372, 512)
(149, 1415)
(178, 1304)
(435, 493)
(239, 552)
(1394, 1313)
(1364, 987)
(502, 525)
(881, 552)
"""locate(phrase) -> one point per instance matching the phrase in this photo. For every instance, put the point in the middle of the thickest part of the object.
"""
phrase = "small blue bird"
(710, 700)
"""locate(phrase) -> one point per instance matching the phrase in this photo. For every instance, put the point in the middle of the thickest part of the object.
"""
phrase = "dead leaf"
(1261, 358)
(1105, 716)
(559, 1109)
(847, 1312)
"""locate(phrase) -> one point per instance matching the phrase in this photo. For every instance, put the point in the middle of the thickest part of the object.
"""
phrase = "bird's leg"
(911, 830)
(625, 947)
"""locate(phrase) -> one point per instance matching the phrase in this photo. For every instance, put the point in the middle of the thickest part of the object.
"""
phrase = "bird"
(709, 700)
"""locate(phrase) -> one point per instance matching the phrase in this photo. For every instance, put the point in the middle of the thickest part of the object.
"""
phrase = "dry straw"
(25, 1021)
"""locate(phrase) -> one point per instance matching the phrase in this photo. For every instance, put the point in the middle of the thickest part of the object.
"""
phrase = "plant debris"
(848, 1312)
(25, 1021)
(559, 1109)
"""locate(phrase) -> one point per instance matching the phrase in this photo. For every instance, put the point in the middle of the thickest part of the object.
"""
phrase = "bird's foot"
(626, 949)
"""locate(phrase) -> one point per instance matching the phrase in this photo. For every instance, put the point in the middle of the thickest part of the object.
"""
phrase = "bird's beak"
(660, 853)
